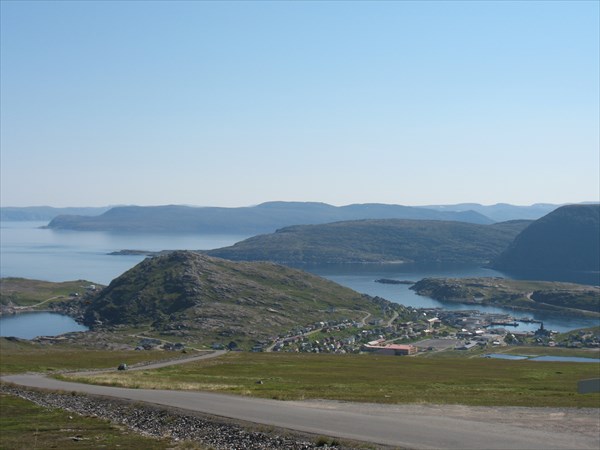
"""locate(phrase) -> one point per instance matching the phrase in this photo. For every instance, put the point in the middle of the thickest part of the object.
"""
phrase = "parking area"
(437, 344)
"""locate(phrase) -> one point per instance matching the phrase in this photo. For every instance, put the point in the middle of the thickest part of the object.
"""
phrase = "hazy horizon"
(298, 201)
(237, 103)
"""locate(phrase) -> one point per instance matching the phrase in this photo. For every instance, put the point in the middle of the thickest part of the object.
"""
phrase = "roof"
(392, 347)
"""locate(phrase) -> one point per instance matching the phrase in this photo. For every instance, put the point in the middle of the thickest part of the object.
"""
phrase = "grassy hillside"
(378, 241)
(18, 355)
(531, 295)
(568, 239)
(194, 296)
(26, 292)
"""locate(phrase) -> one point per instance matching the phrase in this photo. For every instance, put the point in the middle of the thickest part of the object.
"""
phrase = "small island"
(390, 281)
(575, 299)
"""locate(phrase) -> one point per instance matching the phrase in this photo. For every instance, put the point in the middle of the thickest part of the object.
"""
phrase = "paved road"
(397, 425)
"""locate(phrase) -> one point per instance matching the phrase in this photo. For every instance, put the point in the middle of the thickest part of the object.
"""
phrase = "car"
(122, 366)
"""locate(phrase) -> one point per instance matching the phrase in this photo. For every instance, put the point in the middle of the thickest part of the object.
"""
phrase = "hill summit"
(198, 297)
(567, 239)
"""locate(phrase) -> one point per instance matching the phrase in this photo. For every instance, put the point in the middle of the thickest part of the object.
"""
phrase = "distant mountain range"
(567, 239)
(501, 212)
(263, 218)
(41, 213)
(379, 241)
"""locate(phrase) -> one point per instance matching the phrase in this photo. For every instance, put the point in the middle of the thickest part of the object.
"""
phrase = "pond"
(32, 324)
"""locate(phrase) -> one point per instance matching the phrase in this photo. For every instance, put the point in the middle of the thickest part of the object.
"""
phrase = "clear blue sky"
(236, 103)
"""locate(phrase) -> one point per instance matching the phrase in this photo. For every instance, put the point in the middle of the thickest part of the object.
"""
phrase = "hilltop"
(567, 239)
(264, 218)
(198, 297)
(378, 241)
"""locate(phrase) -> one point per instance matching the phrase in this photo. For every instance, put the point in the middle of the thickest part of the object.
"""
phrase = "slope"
(567, 239)
(200, 298)
(378, 241)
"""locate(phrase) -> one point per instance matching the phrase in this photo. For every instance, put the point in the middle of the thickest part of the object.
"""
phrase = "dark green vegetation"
(527, 295)
(263, 218)
(377, 241)
(204, 299)
(384, 379)
(17, 356)
(567, 239)
(26, 425)
(25, 292)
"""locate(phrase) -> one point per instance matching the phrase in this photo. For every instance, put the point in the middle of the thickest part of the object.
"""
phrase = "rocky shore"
(212, 432)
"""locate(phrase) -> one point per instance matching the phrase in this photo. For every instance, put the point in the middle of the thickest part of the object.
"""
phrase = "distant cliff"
(567, 239)
(263, 218)
(379, 241)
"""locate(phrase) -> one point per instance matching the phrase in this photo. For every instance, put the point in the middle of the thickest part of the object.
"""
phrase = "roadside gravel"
(213, 432)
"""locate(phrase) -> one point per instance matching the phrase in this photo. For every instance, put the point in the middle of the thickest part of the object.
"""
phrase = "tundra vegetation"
(27, 425)
(378, 241)
(368, 378)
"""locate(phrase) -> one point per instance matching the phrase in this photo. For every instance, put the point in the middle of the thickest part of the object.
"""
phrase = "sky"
(238, 103)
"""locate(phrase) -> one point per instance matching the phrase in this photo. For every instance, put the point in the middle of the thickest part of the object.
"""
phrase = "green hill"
(567, 239)
(200, 298)
(378, 241)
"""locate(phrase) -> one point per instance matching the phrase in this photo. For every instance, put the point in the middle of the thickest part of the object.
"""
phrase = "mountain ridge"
(263, 218)
(378, 241)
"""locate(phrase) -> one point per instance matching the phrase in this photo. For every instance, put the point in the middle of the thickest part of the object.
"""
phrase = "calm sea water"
(28, 251)
(31, 325)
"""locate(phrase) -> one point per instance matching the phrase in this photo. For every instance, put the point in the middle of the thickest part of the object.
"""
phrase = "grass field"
(26, 425)
(367, 378)
(21, 356)
(551, 351)
(25, 292)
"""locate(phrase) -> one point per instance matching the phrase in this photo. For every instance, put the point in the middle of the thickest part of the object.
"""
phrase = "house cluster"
(156, 344)
(353, 337)
(580, 339)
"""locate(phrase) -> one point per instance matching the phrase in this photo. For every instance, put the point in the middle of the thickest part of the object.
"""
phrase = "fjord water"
(360, 277)
(28, 251)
